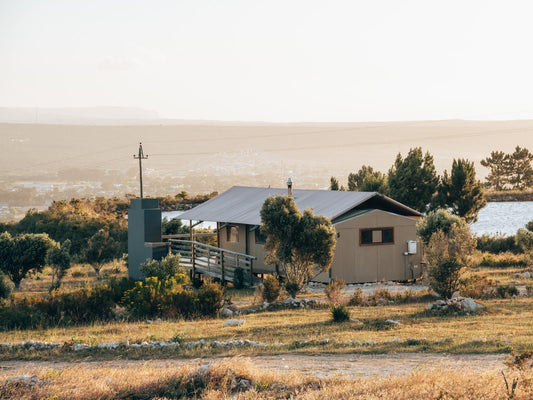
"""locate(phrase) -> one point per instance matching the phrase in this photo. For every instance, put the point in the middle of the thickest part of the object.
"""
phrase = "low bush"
(120, 286)
(210, 299)
(271, 289)
(506, 291)
(238, 278)
(163, 269)
(59, 308)
(477, 287)
(504, 260)
(333, 291)
(496, 244)
(168, 298)
(379, 297)
(357, 298)
(5, 287)
(340, 313)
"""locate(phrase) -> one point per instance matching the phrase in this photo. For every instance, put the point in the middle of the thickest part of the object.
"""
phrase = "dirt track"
(323, 365)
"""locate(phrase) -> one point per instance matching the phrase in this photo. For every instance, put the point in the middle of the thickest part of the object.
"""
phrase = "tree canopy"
(413, 181)
(368, 180)
(22, 253)
(302, 244)
(461, 192)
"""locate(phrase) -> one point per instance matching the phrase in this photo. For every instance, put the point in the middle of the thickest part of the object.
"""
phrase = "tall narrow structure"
(144, 235)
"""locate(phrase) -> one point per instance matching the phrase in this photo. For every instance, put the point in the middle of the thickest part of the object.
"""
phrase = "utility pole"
(140, 157)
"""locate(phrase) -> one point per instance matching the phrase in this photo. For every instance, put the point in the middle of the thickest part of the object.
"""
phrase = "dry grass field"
(239, 379)
(505, 326)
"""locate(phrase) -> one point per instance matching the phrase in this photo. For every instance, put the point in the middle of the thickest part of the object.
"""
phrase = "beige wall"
(369, 263)
(353, 262)
(256, 250)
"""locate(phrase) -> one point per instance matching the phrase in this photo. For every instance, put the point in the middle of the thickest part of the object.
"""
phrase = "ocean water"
(503, 217)
(496, 218)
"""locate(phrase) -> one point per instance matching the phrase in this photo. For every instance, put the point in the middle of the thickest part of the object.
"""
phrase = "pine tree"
(498, 163)
(521, 176)
(333, 183)
(461, 192)
(368, 180)
(413, 180)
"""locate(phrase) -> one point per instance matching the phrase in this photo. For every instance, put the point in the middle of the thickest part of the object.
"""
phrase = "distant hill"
(78, 115)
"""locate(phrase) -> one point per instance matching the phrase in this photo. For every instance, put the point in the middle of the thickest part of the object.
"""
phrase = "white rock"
(392, 321)
(234, 322)
(470, 305)
(226, 312)
(203, 369)
(526, 275)
(29, 380)
(80, 346)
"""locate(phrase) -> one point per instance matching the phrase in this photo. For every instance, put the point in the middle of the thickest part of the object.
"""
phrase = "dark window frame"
(229, 231)
(372, 230)
(259, 238)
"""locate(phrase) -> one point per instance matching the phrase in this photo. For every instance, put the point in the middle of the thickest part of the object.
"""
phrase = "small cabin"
(376, 235)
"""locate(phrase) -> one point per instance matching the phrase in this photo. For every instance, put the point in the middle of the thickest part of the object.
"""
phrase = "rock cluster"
(26, 380)
(455, 304)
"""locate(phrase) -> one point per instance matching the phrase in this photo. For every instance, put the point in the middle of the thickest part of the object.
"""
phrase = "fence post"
(222, 266)
(251, 272)
(193, 258)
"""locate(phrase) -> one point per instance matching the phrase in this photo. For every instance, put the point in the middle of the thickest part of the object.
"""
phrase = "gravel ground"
(323, 365)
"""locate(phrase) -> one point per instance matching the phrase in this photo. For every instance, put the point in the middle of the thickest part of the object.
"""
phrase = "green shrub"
(210, 299)
(163, 269)
(5, 287)
(78, 306)
(168, 298)
(271, 289)
(21, 316)
(476, 286)
(504, 260)
(238, 278)
(333, 291)
(293, 288)
(340, 313)
(120, 286)
(59, 308)
(506, 291)
(357, 298)
(496, 244)
(529, 289)
(524, 240)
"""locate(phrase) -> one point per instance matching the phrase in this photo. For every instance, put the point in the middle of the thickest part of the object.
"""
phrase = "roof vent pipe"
(289, 187)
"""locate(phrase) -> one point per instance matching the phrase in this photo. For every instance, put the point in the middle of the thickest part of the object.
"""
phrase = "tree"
(448, 255)
(498, 162)
(521, 172)
(461, 192)
(333, 183)
(413, 180)
(437, 220)
(22, 253)
(301, 243)
(101, 248)
(368, 180)
(59, 259)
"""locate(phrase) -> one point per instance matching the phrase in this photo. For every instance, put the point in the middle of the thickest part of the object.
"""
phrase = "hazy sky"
(272, 60)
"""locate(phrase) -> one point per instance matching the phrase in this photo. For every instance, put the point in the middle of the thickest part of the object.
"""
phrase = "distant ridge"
(77, 115)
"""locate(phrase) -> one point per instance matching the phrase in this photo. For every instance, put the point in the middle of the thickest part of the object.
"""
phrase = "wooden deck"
(201, 258)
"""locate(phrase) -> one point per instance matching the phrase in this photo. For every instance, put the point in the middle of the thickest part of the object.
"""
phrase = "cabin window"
(259, 237)
(372, 236)
(232, 234)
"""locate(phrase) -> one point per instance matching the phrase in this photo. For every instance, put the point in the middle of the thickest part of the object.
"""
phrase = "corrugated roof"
(242, 205)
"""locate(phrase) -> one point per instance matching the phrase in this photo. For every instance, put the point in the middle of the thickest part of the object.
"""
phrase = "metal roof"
(242, 205)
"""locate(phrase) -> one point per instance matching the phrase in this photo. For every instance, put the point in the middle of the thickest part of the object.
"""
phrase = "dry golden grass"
(223, 379)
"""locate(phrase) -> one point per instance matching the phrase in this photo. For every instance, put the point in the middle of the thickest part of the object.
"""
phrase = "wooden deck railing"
(213, 261)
